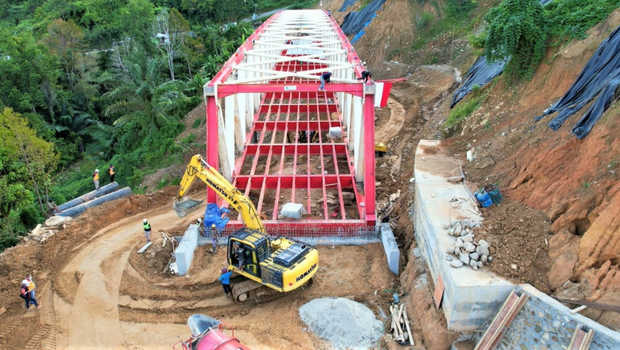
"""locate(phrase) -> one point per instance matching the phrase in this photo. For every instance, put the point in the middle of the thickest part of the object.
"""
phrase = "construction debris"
(401, 330)
(467, 251)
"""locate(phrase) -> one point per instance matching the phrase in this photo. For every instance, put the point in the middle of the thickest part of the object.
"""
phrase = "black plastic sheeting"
(479, 74)
(346, 4)
(355, 21)
(601, 73)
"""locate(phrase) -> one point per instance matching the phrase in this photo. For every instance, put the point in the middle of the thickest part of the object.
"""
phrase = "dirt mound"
(518, 237)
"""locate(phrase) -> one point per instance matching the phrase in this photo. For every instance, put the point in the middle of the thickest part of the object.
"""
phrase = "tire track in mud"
(100, 265)
(45, 337)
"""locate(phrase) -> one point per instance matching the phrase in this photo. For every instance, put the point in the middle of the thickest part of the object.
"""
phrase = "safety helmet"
(96, 170)
(144, 221)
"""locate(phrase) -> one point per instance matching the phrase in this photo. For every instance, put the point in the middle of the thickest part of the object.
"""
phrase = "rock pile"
(42, 233)
(466, 250)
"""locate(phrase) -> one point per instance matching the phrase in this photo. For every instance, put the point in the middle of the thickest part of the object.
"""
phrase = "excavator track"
(248, 291)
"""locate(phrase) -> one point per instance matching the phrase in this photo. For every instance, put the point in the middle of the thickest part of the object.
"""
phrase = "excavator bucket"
(184, 206)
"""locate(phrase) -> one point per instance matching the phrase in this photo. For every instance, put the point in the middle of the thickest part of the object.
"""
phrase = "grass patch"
(463, 110)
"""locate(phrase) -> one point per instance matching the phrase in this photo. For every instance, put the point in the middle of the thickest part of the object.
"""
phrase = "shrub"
(517, 29)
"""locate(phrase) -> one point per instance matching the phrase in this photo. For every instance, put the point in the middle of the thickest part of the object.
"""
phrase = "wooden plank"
(501, 321)
(438, 293)
(581, 339)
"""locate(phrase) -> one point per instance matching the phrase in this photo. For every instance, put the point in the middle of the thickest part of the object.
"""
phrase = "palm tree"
(140, 91)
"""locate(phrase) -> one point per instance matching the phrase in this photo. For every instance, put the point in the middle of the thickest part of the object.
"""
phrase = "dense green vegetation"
(522, 29)
(88, 83)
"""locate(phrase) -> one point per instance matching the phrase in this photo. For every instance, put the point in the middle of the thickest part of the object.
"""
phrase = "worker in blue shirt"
(225, 280)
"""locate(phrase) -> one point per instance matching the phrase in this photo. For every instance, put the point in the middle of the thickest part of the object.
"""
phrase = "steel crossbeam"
(283, 139)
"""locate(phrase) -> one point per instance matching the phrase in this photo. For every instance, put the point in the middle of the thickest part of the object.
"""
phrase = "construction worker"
(147, 230)
(111, 172)
(225, 280)
(239, 253)
(96, 179)
(29, 288)
(365, 76)
(214, 234)
(325, 78)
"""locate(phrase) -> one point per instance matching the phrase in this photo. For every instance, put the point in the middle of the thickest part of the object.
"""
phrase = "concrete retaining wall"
(544, 323)
(471, 297)
(184, 253)
(88, 196)
(79, 209)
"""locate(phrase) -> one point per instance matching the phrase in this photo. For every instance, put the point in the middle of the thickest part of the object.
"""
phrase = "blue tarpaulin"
(213, 216)
(601, 74)
(355, 21)
(479, 74)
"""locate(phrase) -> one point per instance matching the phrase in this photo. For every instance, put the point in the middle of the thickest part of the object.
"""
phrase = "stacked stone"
(466, 251)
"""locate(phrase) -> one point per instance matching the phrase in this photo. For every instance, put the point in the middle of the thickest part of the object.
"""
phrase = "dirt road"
(93, 319)
(107, 296)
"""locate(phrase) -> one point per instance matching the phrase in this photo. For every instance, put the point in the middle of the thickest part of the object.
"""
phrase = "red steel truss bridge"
(280, 139)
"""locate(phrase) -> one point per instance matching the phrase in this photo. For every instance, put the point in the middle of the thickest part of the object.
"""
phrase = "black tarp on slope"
(346, 4)
(355, 21)
(600, 74)
(480, 74)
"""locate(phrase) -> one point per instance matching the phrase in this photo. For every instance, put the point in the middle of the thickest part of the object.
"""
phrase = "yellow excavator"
(281, 264)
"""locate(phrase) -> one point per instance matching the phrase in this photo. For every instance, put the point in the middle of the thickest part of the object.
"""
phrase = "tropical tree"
(21, 144)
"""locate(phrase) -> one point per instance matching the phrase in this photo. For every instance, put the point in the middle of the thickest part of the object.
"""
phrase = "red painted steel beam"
(284, 125)
(212, 142)
(238, 56)
(231, 89)
(295, 181)
(297, 95)
(369, 158)
(283, 108)
(352, 56)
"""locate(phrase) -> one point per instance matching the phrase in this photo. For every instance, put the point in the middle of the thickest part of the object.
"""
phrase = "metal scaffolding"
(268, 126)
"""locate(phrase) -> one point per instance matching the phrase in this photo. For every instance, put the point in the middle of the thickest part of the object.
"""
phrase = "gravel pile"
(346, 324)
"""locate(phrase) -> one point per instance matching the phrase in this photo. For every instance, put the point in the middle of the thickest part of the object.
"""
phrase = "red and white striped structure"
(261, 109)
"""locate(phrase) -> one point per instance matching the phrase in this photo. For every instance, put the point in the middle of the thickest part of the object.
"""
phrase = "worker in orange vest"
(96, 179)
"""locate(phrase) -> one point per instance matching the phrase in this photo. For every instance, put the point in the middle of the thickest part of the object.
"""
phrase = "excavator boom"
(199, 168)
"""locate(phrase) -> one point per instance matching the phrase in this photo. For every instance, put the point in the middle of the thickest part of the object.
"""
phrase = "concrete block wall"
(184, 253)
(545, 324)
(471, 297)
(392, 253)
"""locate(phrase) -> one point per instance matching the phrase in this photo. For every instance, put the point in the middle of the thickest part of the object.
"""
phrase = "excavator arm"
(198, 168)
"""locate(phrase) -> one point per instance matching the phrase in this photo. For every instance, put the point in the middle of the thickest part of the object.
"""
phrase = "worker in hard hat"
(214, 234)
(96, 179)
(147, 230)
